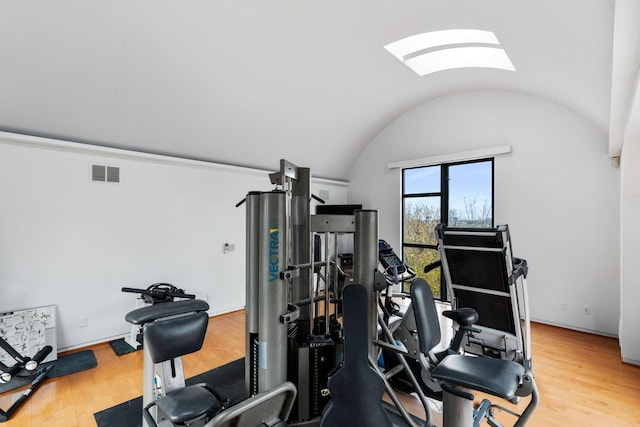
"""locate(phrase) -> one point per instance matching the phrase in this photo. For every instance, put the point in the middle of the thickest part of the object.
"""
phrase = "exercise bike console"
(395, 270)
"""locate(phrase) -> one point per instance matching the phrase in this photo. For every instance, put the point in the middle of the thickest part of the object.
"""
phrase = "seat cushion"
(464, 316)
(188, 403)
(494, 376)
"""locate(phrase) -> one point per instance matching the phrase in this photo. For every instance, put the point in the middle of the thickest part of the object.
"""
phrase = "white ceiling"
(250, 82)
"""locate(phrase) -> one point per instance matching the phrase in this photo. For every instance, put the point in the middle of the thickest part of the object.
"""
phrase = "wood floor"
(581, 378)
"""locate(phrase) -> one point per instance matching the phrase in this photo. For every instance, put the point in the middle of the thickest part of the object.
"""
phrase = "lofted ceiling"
(250, 82)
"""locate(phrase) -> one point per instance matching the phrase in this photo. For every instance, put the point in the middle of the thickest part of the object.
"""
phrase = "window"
(457, 194)
(448, 49)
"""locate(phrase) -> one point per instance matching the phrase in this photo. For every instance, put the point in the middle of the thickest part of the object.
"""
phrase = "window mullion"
(444, 194)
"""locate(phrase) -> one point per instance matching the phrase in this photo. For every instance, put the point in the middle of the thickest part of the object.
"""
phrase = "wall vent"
(113, 174)
(101, 173)
(98, 173)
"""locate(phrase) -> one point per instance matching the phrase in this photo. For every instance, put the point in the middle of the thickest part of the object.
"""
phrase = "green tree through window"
(457, 194)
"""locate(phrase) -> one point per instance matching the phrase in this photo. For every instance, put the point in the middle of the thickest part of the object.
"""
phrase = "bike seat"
(462, 316)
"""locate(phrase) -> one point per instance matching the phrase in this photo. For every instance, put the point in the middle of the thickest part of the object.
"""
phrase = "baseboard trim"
(576, 328)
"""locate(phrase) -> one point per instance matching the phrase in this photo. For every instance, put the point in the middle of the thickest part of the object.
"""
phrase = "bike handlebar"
(158, 292)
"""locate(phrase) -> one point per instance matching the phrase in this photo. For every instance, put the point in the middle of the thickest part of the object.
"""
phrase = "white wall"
(630, 239)
(630, 289)
(67, 241)
(557, 191)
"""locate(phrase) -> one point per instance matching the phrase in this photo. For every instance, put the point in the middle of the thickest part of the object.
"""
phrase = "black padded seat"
(167, 339)
(188, 403)
(464, 316)
(150, 313)
(494, 376)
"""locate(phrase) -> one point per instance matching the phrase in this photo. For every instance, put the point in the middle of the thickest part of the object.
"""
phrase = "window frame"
(444, 206)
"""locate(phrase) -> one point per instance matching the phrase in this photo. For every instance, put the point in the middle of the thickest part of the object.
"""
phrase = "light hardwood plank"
(581, 378)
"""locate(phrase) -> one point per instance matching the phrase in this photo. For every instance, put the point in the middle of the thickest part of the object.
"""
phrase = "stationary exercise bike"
(460, 375)
(171, 329)
(24, 367)
(449, 375)
(177, 328)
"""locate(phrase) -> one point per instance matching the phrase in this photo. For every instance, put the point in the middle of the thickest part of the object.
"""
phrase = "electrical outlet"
(564, 306)
(83, 321)
(586, 310)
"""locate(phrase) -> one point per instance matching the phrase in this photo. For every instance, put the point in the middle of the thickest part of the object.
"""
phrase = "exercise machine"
(404, 332)
(154, 294)
(490, 350)
(167, 340)
(396, 272)
(460, 374)
(293, 298)
(293, 288)
(24, 367)
(401, 324)
(170, 330)
(481, 273)
(294, 292)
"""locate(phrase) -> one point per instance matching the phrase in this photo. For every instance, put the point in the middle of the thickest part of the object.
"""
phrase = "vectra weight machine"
(291, 333)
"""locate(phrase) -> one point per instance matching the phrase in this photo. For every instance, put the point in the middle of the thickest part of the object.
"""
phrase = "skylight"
(448, 49)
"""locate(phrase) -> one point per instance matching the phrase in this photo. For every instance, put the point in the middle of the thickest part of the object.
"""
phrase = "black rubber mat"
(121, 347)
(227, 381)
(65, 365)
